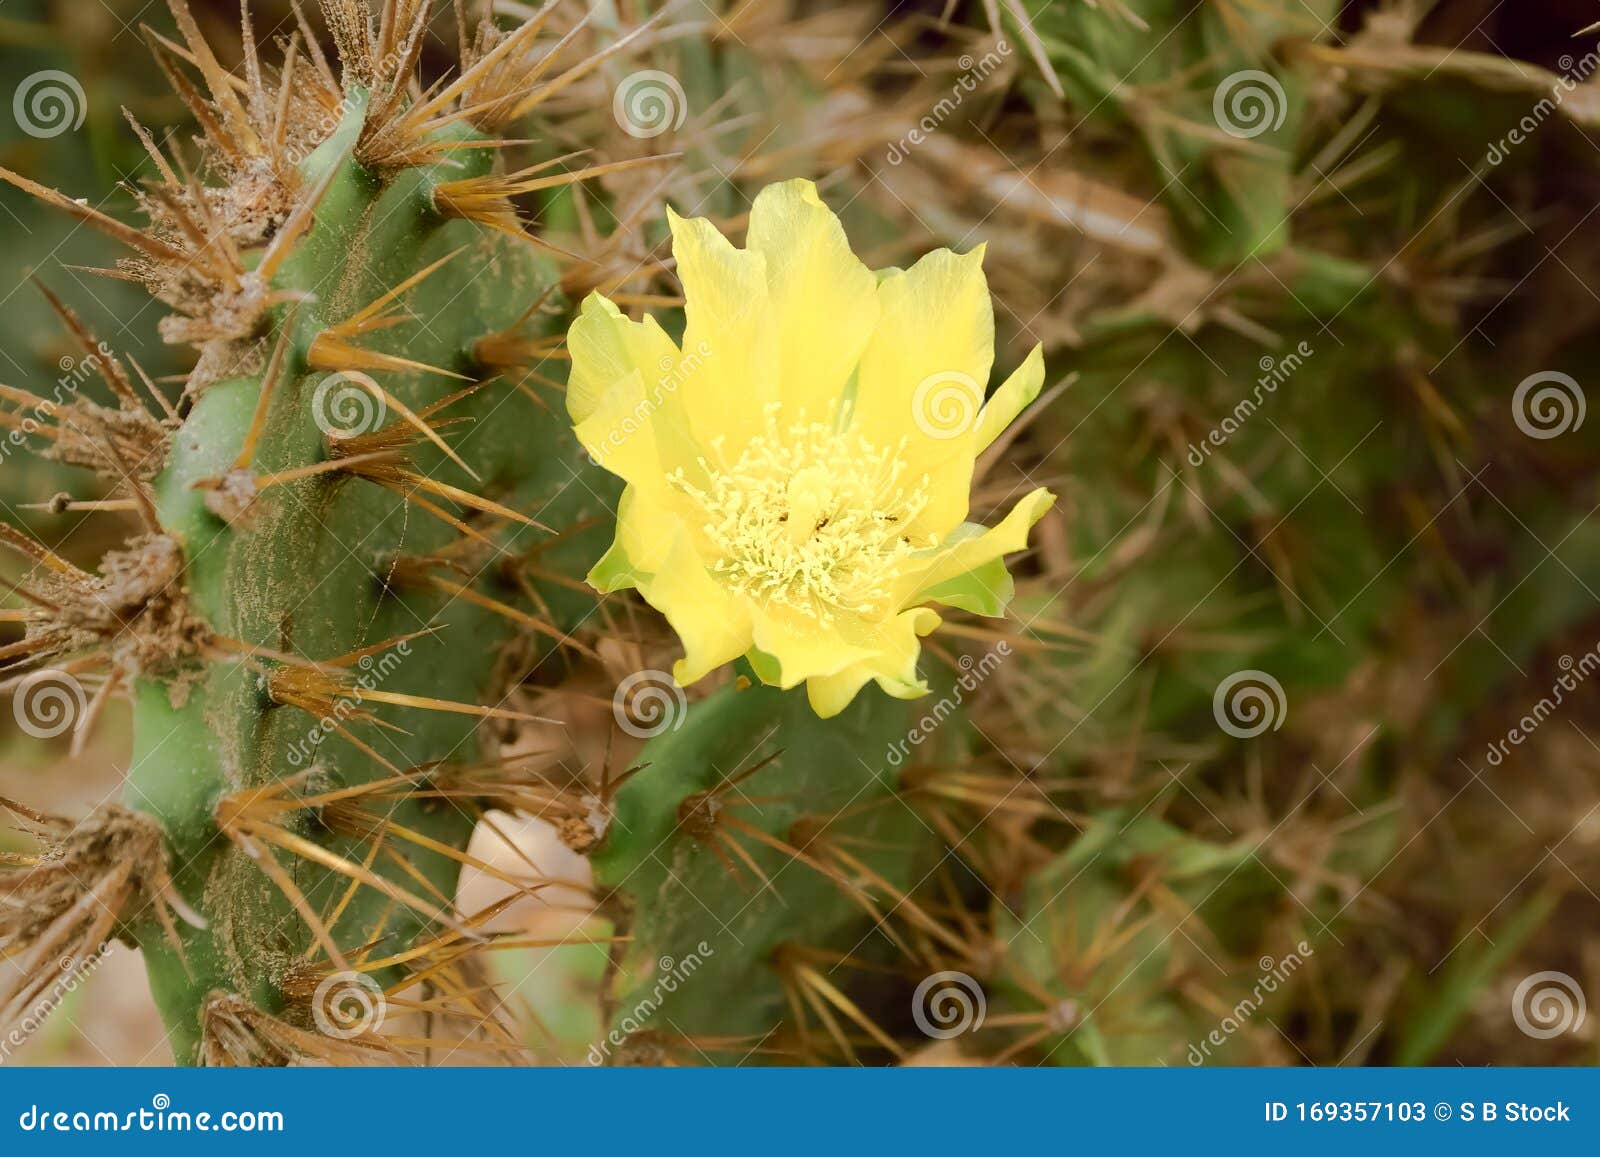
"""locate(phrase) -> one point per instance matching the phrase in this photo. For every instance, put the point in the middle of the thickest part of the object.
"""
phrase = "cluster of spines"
(216, 251)
(195, 260)
(922, 923)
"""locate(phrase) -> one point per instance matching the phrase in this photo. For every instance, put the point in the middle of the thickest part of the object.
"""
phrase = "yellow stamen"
(811, 516)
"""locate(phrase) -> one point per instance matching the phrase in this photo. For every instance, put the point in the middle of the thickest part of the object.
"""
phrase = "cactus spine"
(331, 590)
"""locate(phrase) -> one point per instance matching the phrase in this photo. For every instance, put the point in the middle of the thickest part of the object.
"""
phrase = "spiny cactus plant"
(354, 532)
(1267, 457)
(1229, 728)
(1269, 536)
(341, 520)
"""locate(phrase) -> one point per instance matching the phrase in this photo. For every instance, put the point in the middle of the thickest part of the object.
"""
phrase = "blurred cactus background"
(1287, 753)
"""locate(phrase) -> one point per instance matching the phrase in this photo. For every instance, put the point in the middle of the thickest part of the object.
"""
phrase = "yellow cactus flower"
(798, 469)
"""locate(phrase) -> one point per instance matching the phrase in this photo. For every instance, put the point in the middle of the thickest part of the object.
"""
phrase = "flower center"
(810, 517)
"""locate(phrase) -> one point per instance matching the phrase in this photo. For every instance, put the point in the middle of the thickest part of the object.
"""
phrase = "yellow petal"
(605, 347)
(924, 375)
(713, 626)
(804, 647)
(615, 570)
(624, 393)
(649, 525)
(617, 437)
(893, 665)
(965, 554)
(824, 300)
(1016, 395)
(730, 328)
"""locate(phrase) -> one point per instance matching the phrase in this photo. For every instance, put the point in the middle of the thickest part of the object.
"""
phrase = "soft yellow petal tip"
(789, 498)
